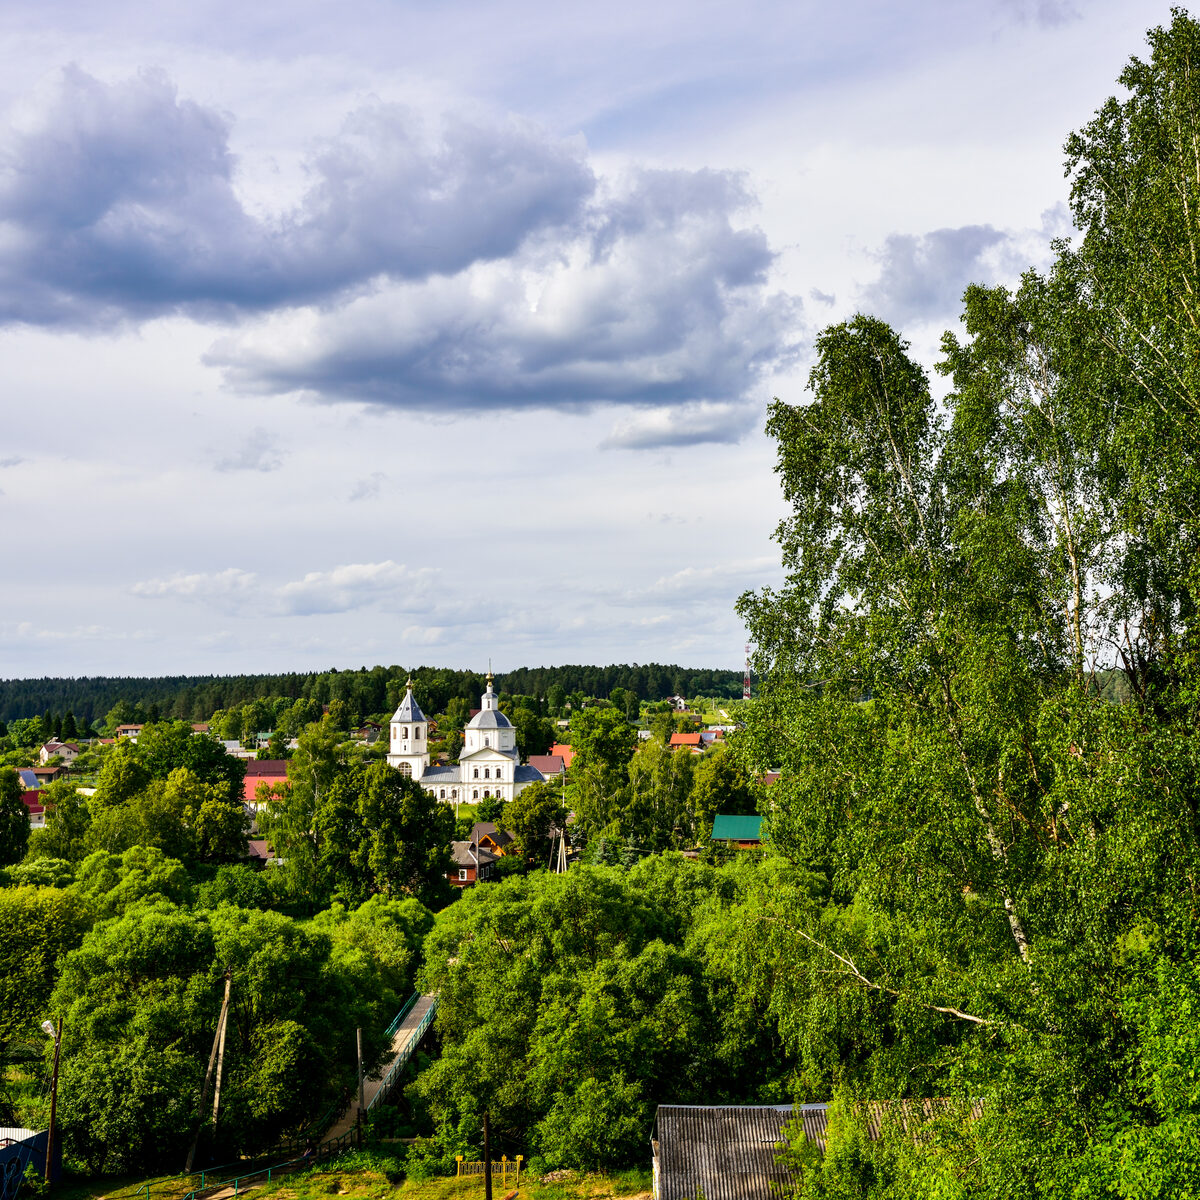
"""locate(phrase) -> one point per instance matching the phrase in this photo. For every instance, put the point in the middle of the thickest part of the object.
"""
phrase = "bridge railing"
(327, 1149)
(398, 1019)
(401, 1060)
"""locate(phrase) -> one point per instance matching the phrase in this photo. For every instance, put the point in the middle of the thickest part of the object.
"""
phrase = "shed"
(23, 1148)
(726, 1153)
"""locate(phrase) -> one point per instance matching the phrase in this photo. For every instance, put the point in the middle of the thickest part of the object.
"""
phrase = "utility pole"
(221, 1050)
(56, 1030)
(361, 1101)
(218, 1041)
(487, 1159)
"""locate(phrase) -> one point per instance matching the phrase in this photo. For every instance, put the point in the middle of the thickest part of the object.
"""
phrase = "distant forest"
(366, 690)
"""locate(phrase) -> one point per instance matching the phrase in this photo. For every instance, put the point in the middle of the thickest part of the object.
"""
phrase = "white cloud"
(353, 586)
(259, 452)
(367, 488)
(685, 425)
(227, 585)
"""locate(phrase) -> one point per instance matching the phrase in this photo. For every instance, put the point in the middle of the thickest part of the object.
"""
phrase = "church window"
(405, 733)
(476, 796)
(406, 770)
(454, 793)
(416, 733)
(486, 793)
(442, 794)
(487, 774)
(476, 773)
(487, 741)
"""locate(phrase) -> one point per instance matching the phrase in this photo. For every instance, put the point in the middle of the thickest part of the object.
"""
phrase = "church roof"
(489, 718)
(409, 709)
(489, 753)
(528, 774)
(440, 775)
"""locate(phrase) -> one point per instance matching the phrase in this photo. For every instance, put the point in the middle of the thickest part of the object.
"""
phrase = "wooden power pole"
(217, 1047)
(487, 1159)
(53, 1102)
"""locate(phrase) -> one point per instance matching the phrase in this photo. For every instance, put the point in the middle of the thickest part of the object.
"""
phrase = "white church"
(489, 765)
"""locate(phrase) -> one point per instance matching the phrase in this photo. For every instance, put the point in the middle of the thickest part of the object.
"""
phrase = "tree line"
(366, 690)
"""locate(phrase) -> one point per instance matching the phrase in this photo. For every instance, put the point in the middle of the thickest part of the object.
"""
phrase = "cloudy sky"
(393, 331)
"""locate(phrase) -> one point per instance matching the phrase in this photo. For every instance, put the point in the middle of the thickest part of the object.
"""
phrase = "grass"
(364, 1176)
(362, 1182)
(125, 1187)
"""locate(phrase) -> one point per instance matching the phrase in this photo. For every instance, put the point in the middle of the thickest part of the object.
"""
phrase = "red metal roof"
(685, 739)
(252, 783)
(563, 751)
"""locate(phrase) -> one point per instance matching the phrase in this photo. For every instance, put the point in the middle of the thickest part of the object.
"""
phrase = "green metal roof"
(737, 829)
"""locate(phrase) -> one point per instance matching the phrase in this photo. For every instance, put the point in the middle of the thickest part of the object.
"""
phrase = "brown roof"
(548, 764)
(266, 766)
(487, 829)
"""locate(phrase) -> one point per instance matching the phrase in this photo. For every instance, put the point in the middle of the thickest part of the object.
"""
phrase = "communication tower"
(746, 680)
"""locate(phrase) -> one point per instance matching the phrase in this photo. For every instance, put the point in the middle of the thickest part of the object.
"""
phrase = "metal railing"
(398, 1019)
(401, 1059)
(508, 1172)
(330, 1149)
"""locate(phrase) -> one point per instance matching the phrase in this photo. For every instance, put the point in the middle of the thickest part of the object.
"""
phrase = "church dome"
(489, 715)
(489, 718)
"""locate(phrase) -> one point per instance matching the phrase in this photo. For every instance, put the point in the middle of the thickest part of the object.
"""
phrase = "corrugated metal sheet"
(726, 1153)
(729, 1153)
(737, 829)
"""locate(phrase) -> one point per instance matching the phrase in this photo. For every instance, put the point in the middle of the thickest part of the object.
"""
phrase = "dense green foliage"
(348, 829)
(572, 1004)
(141, 997)
(1012, 858)
(14, 818)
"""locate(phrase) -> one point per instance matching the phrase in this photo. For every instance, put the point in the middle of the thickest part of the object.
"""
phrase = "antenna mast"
(746, 679)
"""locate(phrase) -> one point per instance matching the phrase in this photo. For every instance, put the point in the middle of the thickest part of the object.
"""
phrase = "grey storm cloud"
(922, 277)
(117, 201)
(653, 303)
(440, 265)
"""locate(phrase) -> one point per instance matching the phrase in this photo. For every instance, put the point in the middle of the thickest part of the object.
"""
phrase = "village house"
(66, 752)
(260, 772)
(472, 864)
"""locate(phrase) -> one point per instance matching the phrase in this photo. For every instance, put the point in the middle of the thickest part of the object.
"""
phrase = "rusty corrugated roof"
(727, 1153)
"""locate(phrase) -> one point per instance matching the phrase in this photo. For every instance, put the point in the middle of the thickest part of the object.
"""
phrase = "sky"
(392, 331)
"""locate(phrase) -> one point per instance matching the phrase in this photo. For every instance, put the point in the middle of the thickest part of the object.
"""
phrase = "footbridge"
(405, 1032)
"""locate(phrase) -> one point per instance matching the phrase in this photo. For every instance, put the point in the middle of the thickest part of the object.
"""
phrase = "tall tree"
(14, 818)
